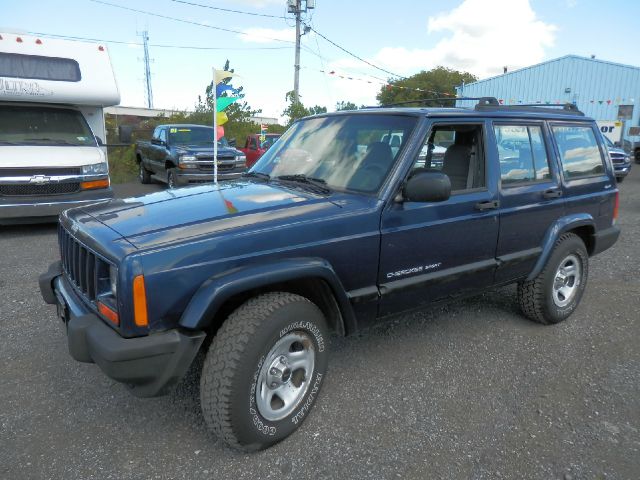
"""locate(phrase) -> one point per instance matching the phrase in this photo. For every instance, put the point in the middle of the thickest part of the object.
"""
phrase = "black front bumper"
(148, 365)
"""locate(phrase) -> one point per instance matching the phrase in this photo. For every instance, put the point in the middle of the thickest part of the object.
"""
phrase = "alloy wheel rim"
(566, 281)
(285, 376)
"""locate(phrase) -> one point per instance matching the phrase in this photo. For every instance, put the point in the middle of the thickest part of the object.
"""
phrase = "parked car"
(621, 160)
(317, 238)
(183, 154)
(254, 148)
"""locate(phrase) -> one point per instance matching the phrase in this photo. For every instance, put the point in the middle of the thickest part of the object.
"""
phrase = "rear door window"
(522, 154)
(579, 151)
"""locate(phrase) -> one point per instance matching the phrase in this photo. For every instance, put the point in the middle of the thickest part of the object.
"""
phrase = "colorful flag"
(224, 102)
(221, 118)
(220, 75)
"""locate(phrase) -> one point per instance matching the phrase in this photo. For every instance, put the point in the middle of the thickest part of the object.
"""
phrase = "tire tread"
(531, 293)
(224, 357)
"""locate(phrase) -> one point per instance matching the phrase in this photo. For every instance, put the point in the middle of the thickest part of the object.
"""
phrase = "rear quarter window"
(579, 151)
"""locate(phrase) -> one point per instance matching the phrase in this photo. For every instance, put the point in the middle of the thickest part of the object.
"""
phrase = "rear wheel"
(264, 370)
(143, 174)
(555, 293)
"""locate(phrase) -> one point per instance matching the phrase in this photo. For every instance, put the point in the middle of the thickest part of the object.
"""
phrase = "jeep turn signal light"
(108, 313)
(140, 302)
(94, 184)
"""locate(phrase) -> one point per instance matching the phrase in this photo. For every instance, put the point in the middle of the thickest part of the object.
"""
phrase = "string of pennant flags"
(503, 101)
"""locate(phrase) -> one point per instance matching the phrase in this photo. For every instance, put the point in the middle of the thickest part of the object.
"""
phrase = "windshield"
(345, 152)
(193, 136)
(43, 126)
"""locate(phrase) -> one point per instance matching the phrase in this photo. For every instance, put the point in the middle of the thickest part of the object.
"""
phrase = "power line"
(229, 10)
(122, 42)
(190, 22)
(352, 54)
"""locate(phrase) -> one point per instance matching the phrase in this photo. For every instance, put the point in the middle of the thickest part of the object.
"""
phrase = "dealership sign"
(612, 129)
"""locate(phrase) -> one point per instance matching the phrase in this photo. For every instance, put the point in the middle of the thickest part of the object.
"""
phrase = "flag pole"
(215, 130)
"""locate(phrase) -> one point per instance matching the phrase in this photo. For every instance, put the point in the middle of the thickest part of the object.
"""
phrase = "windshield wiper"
(318, 183)
(264, 176)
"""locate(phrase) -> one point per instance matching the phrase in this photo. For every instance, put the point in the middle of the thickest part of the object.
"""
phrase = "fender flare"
(562, 225)
(215, 291)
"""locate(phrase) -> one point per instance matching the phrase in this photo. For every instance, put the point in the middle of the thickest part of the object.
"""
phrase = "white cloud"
(268, 35)
(480, 36)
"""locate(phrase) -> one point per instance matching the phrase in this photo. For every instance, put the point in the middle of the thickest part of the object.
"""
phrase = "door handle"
(552, 193)
(488, 205)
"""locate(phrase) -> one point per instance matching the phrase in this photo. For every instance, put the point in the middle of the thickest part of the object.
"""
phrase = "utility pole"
(297, 7)
(147, 68)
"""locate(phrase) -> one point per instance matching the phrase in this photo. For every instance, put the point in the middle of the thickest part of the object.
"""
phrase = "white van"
(52, 94)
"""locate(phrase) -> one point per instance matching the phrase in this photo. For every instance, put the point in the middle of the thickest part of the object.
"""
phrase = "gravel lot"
(465, 391)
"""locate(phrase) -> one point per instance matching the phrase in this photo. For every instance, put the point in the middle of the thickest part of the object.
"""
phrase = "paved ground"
(466, 391)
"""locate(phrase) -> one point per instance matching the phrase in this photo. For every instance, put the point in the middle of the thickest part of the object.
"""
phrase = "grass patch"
(123, 167)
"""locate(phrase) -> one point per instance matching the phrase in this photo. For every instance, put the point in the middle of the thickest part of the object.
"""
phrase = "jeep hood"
(187, 213)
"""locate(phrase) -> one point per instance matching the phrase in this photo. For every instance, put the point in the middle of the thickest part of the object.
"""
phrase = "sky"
(400, 38)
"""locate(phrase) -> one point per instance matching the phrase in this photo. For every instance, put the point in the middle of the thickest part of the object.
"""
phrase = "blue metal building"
(596, 86)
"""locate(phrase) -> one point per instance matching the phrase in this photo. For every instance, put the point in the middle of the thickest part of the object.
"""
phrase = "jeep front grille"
(82, 267)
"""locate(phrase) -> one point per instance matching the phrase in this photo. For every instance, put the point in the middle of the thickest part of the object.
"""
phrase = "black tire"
(171, 179)
(619, 179)
(537, 297)
(240, 361)
(143, 174)
(637, 155)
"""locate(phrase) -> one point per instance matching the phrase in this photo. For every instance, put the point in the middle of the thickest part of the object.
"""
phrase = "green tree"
(342, 105)
(295, 110)
(434, 83)
(317, 110)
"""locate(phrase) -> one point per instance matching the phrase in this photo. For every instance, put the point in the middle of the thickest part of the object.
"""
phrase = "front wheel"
(619, 179)
(555, 292)
(171, 179)
(264, 370)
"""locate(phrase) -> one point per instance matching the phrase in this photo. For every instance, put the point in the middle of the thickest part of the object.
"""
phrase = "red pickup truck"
(254, 148)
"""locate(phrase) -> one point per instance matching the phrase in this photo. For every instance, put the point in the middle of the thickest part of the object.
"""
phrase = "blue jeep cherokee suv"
(331, 230)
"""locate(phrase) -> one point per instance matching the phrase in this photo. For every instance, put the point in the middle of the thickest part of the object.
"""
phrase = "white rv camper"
(52, 94)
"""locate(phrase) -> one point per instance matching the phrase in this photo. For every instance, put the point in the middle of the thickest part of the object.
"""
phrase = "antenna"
(147, 69)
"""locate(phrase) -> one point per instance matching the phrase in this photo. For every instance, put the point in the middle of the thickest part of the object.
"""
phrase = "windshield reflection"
(347, 152)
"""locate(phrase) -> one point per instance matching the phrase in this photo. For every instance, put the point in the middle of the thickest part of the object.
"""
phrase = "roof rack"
(421, 101)
(490, 103)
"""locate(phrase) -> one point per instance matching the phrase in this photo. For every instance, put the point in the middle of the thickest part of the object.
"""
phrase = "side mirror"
(427, 187)
(157, 141)
(232, 142)
(124, 133)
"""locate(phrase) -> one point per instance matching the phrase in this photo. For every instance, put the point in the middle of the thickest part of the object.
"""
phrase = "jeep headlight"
(187, 161)
(113, 280)
(101, 168)
(241, 159)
